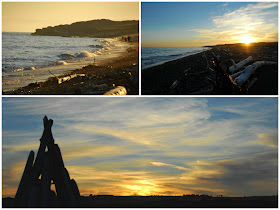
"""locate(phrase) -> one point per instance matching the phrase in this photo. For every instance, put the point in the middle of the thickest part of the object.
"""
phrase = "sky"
(29, 16)
(192, 24)
(149, 146)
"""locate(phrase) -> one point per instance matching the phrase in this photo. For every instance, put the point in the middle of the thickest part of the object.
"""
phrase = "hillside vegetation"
(102, 28)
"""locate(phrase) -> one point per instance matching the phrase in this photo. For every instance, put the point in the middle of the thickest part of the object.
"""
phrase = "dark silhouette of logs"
(34, 189)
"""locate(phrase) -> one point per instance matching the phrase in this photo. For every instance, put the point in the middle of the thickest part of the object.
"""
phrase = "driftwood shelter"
(34, 189)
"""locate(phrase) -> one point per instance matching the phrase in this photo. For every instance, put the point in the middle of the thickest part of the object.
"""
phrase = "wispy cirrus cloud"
(256, 20)
(170, 165)
(270, 140)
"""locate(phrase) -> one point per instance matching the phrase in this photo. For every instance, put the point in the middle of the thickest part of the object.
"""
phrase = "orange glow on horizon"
(247, 39)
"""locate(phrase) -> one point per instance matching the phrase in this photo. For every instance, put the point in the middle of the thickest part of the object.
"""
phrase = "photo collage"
(139, 104)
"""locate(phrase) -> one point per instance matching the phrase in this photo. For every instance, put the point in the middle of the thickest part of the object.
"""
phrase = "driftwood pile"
(48, 168)
(241, 76)
(228, 77)
(235, 78)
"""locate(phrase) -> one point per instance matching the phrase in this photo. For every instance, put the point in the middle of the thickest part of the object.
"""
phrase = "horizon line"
(214, 45)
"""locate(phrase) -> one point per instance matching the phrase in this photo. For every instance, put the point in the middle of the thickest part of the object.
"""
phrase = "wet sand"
(157, 80)
(99, 78)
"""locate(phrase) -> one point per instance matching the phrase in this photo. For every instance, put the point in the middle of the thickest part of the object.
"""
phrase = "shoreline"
(110, 48)
(179, 57)
(24, 75)
(158, 80)
(101, 76)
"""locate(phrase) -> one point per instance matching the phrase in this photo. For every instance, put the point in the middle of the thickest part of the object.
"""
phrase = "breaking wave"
(84, 54)
(66, 56)
(61, 63)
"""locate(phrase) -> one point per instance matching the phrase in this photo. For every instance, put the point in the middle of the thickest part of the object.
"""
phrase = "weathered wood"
(34, 198)
(233, 76)
(22, 192)
(119, 90)
(35, 192)
(67, 78)
(239, 65)
(252, 82)
(46, 181)
(75, 189)
(46, 137)
(250, 70)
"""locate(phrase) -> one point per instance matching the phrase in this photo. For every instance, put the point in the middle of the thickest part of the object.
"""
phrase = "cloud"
(238, 175)
(270, 140)
(170, 165)
(85, 150)
(118, 182)
(147, 136)
(11, 178)
(256, 20)
(20, 147)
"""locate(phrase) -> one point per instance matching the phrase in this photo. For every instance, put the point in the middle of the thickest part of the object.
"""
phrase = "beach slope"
(158, 80)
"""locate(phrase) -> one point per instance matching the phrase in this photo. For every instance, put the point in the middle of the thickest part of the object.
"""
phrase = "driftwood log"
(35, 186)
(239, 65)
(248, 71)
(240, 81)
(67, 78)
(119, 90)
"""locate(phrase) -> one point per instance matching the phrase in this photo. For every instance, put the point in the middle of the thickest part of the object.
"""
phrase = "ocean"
(27, 59)
(152, 56)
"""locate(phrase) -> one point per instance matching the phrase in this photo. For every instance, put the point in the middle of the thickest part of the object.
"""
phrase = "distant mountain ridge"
(100, 28)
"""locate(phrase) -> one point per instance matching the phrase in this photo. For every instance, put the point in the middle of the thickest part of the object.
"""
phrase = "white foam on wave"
(30, 68)
(61, 63)
(84, 54)
(20, 69)
(67, 56)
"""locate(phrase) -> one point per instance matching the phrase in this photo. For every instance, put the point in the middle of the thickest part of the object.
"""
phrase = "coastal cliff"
(101, 28)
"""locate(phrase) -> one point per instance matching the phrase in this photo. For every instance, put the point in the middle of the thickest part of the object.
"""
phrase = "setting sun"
(247, 39)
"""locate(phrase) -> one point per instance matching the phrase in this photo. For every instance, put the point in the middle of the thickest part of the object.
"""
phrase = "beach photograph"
(160, 152)
(70, 48)
(209, 48)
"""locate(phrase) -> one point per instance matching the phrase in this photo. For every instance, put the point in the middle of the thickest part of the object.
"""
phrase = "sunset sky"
(189, 24)
(150, 146)
(28, 16)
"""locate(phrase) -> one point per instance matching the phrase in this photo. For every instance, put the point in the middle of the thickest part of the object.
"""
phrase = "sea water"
(27, 58)
(152, 56)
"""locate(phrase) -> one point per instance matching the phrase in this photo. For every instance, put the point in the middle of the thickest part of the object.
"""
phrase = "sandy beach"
(157, 80)
(117, 67)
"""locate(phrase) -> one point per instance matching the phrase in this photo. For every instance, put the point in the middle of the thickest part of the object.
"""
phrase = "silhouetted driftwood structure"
(48, 168)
